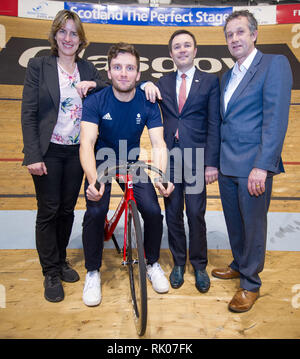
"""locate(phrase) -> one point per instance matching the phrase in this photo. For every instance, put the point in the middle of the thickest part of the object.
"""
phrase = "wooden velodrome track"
(182, 313)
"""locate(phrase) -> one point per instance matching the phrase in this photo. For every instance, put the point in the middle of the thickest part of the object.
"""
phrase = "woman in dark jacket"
(51, 112)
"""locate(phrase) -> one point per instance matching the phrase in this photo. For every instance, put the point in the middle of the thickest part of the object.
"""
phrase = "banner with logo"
(265, 15)
(288, 14)
(155, 59)
(154, 16)
(148, 16)
(38, 9)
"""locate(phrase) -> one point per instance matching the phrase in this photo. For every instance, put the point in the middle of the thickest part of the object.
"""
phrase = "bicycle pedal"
(125, 263)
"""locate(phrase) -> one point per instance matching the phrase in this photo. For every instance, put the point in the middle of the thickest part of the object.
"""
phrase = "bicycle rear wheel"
(137, 268)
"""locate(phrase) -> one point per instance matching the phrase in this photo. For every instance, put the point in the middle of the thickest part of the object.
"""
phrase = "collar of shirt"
(189, 78)
(238, 72)
(245, 65)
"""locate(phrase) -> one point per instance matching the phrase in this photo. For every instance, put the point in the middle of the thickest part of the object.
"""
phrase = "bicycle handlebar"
(130, 167)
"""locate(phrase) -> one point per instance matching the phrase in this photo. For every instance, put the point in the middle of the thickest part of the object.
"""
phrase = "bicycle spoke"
(137, 269)
(134, 248)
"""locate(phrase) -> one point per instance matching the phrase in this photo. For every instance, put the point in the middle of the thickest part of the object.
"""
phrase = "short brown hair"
(122, 47)
(60, 19)
(180, 32)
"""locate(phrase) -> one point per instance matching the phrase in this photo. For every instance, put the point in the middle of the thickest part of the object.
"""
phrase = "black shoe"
(202, 280)
(68, 274)
(176, 277)
(54, 291)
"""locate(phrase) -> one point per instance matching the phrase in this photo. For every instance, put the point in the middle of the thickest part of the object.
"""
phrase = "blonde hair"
(60, 19)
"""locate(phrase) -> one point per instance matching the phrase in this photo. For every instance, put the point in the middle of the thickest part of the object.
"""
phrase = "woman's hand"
(84, 86)
(37, 169)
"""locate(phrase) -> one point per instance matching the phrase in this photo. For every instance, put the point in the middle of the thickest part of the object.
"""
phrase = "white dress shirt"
(237, 74)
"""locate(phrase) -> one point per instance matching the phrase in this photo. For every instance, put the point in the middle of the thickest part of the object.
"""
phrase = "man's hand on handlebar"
(165, 189)
(95, 191)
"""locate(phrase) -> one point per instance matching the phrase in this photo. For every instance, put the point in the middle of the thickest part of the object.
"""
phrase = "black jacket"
(40, 104)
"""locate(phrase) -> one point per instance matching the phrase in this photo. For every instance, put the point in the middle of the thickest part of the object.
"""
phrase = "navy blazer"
(256, 119)
(199, 121)
(40, 104)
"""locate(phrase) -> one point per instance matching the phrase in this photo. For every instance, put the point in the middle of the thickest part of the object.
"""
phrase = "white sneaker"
(157, 277)
(92, 289)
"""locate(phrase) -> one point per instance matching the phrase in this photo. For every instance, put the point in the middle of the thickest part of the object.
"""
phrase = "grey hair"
(252, 22)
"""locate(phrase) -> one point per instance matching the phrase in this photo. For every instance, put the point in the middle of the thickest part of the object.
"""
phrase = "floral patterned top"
(67, 128)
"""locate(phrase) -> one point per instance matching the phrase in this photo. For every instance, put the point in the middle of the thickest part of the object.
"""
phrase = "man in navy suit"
(191, 124)
(255, 99)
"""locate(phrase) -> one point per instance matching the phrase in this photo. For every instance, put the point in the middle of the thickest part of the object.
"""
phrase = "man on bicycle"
(116, 114)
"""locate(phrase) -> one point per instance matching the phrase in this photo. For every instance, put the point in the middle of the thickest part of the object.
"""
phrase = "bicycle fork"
(129, 196)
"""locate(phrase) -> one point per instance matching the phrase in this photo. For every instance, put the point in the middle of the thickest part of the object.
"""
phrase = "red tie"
(182, 93)
(181, 98)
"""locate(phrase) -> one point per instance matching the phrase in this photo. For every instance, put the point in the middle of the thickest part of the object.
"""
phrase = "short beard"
(129, 89)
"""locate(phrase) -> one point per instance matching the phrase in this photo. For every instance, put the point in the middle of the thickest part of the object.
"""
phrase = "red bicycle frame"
(111, 224)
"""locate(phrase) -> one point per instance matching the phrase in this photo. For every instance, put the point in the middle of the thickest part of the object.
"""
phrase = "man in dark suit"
(189, 103)
(255, 98)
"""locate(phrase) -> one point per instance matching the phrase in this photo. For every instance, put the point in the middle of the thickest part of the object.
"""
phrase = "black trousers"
(56, 195)
(195, 204)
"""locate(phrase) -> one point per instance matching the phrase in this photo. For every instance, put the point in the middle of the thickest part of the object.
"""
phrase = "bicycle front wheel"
(137, 268)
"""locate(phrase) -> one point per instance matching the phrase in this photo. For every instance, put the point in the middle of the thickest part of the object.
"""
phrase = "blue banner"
(149, 16)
